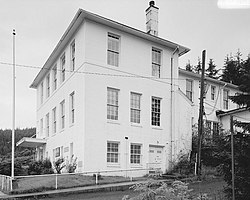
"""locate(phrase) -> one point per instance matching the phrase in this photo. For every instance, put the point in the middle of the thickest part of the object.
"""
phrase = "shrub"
(59, 165)
(184, 166)
(40, 167)
(155, 191)
(71, 165)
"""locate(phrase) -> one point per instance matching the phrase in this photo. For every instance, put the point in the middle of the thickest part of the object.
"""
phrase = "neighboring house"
(216, 97)
(107, 96)
(239, 114)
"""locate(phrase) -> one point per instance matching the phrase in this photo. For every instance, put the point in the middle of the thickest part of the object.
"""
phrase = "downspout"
(172, 109)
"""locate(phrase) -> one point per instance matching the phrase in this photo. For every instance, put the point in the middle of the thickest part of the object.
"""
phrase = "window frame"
(72, 108)
(189, 93)
(41, 92)
(225, 100)
(62, 106)
(63, 65)
(54, 120)
(48, 85)
(41, 127)
(134, 156)
(156, 111)
(72, 55)
(54, 77)
(112, 51)
(156, 66)
(47, 125)
(112, 114)
(213, 92)
(135, 110)
(113, 157)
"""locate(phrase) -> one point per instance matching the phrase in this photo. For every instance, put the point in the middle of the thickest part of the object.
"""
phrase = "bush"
(155, 191)
(71, 165)
(59, 165)
(40, 167)
(184, 166)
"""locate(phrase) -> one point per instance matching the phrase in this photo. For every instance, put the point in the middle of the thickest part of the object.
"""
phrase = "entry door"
(155, 157)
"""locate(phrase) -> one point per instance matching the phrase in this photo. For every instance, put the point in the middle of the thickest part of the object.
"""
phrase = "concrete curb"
(87, 189)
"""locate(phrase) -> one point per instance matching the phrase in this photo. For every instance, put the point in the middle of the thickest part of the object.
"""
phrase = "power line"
(94, 73)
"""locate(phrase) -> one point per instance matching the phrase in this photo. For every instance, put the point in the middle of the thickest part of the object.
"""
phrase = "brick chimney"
(152, 19)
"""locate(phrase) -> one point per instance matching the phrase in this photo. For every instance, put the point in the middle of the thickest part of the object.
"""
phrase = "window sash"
(112, 104)
(73, 56)
(189, 89)
(225, 99)
(156, 111)
(113, 152)
(41, 93)
(63, 68)
(156, 63)
(113, 50)
(54, 120)
(48, 85)
(47, 125)
(135, 154)
(62, 114)
(55, 78)
(213, 91)
(72, 107)
(135, 104)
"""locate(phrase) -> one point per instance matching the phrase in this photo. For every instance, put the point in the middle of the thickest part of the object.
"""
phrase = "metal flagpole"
(13, 109)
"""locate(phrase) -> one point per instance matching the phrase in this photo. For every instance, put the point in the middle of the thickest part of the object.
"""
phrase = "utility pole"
(232, 154)
(13, 109)
(200, 122)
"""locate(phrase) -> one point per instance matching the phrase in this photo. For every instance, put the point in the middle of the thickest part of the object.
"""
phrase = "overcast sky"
(39, 24)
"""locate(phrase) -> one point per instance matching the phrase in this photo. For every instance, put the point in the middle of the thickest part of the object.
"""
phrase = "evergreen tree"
(189, 67)
(197, 68)
(211, 71)
(232, 69)
(243, 99)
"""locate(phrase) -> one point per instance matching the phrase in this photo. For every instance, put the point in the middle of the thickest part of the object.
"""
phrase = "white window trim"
(112, 35)
(118, 91)
(157, 98)
(54, 122)
(119, 157)
(62, 115)
(72, 59)
(136, 109)
(72, 108)
(135, 164)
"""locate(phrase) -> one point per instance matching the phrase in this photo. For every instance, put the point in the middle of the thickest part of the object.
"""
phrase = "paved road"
(117, 195)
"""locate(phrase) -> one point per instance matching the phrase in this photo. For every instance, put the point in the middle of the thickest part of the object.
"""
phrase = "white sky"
(39, 24)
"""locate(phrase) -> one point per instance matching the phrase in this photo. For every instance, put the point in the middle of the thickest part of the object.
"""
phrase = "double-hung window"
(156, 62)
(63, 68)
(62, 114)
(156, 111)
(72, 107)
(112, 103)
(135, 107)
(48, 85)
(225, 99)
(54, 119)
(54, 77)
(113, 49)
(213, 91)
(72, 51)
(112, 152)
(189, 89)
(41, 127)
(41, 93)
(135, 154)
(47, 125)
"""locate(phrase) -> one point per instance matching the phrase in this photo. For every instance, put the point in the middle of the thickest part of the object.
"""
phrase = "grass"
(212, 187)
(37, 184)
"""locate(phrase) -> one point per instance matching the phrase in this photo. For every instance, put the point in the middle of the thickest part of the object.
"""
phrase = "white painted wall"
(91, 129)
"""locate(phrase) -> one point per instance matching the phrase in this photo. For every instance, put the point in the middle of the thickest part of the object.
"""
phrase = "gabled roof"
(198, 76)
(77, 20)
